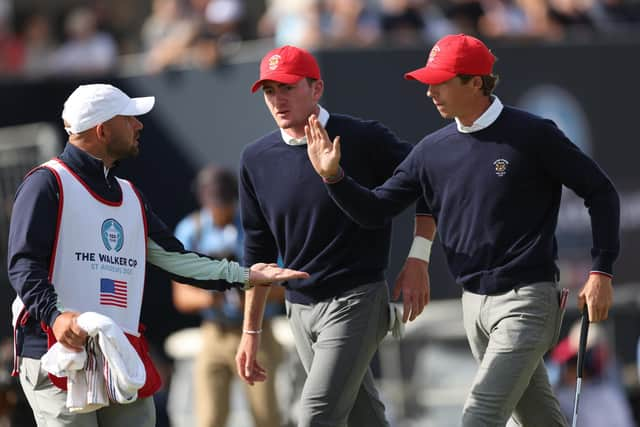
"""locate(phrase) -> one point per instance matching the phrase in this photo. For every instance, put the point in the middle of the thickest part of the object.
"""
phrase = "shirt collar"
(84, 163)
(323, 117)
(485, 120)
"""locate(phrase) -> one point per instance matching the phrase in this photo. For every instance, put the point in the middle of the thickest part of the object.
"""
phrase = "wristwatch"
(246, 285)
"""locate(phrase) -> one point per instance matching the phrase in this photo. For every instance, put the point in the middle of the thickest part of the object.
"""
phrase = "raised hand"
(264, 274)
(323, 154)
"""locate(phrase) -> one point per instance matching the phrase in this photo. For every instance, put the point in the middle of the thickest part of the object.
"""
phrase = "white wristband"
(420, 249)
(250, 332)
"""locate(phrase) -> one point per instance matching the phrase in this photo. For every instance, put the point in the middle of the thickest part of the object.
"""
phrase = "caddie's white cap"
(90, 105)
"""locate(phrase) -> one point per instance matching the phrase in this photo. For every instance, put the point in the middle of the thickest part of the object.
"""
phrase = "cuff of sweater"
(334, 178)
(603, 264)
(52, 318)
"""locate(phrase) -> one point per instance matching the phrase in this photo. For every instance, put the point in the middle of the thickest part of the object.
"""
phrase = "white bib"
(98, 261)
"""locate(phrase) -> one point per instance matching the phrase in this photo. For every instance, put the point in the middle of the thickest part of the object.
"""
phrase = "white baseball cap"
(90, 105)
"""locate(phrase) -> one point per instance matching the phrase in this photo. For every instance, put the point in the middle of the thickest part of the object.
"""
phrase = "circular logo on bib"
(112, 235)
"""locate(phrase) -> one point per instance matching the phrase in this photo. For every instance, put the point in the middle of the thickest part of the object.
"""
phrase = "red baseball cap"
(287, 64)
(453, 55)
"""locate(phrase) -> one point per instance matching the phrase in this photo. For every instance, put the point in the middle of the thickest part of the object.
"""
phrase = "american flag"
(113, 292)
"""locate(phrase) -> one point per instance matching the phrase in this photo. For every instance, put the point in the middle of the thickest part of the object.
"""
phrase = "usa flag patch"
(113, 292)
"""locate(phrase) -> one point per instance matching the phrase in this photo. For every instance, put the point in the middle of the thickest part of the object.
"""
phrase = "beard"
(124, 149)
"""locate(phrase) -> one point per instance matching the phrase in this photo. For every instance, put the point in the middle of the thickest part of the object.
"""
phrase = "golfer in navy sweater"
(493, 180)
(340, 314)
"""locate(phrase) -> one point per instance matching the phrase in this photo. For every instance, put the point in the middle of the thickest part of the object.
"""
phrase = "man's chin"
(133, 153)
(284, 124)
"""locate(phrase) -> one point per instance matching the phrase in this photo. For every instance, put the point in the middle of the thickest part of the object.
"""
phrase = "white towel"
(108, 370)
(124, 371)
(86, 390)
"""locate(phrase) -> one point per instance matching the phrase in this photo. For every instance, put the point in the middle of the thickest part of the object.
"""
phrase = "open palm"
(323, 154)
(262, 273)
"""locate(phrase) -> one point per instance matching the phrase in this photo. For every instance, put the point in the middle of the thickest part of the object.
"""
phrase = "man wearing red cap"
(493, 180)
(340, 314)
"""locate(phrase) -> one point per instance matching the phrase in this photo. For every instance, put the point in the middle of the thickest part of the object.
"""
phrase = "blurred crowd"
(40, 38)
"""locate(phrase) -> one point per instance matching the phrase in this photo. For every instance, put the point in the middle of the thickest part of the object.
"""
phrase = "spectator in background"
(215, 230)
(401, 21)
(87, 49)
(538, 18)
(502, 18)
(574, 16)
(166, 33)
(349, 23)
(465, 15)
(292, 22)
(176, 37)
(166, 19)
(224, 18)
(602, 400)
(11, 48)
(38, 45)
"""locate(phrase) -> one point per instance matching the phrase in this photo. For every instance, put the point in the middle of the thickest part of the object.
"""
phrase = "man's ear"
(101, 131)
(477, 82)
(318, 89)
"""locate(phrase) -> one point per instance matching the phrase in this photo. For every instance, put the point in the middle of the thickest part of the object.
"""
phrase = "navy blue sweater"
(286, 210)
(32, 235)
(495, 195)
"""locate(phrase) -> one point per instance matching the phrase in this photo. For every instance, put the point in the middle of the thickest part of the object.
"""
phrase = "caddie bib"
(98, 261)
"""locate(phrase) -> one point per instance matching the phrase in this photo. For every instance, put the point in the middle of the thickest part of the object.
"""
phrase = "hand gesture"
(68, 332)
(264, 274)
(413, 284)
(324, 155)
(248, 368)
(597, 293)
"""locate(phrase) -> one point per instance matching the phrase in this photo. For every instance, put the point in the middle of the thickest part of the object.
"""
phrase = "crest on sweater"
(501, 166)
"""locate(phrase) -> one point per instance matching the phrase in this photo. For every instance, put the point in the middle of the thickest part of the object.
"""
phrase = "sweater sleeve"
(374, 208)
(31, 238)
(390, 152)
(566, 163)
(166, 252)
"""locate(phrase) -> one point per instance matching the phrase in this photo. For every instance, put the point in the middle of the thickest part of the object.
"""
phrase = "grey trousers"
(48, 403)
(336, 340)
(509, 334)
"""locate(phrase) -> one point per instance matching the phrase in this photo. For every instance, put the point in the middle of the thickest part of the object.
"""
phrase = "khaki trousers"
(215, 369)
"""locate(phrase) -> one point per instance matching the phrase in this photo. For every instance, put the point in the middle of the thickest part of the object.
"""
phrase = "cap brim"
(279, 77)
(429, 76)
(139, 106)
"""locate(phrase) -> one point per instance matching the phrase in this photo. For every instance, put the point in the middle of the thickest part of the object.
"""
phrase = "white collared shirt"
(323, 117)
(485, 120)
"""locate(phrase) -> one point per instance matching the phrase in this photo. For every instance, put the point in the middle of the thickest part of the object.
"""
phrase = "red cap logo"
(273, 62)
(433, 53)
(287, 64)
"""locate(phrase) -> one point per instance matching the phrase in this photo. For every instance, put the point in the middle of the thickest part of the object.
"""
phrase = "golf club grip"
(584, 331)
